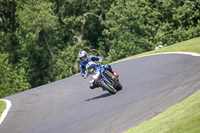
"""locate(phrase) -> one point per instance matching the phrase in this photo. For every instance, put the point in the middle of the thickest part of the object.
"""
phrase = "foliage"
(36, 37)
(12, 79)
(41, 39)
(139, 26)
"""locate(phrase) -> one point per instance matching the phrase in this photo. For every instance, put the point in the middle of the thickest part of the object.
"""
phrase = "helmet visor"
(83, 58)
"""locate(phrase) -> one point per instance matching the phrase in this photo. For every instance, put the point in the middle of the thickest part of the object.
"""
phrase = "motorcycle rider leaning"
(84, 61)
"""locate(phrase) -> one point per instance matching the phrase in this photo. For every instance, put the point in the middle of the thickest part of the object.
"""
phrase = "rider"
(85, 59)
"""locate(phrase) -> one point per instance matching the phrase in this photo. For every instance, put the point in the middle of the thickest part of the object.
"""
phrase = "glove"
(100, 61)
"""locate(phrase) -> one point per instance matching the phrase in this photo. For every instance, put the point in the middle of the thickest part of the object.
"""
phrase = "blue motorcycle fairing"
(101, 69)
(98, 69)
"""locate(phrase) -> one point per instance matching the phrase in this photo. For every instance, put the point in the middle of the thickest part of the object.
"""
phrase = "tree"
(139, 26)
(12, 79)
(187, 20)
(128, 30)
(36, 37)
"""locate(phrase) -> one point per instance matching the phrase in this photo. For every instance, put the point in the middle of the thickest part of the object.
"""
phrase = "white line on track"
(8, 105)
(183, 53)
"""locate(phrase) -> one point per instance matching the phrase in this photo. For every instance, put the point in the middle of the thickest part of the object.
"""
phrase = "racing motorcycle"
(103, 78)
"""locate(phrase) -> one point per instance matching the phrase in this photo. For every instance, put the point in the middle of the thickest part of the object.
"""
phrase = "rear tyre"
(108, 87)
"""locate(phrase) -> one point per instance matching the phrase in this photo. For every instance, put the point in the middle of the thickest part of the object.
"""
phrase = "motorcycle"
(103, 78)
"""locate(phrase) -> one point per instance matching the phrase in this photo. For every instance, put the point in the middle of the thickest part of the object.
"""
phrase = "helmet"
(83, 56)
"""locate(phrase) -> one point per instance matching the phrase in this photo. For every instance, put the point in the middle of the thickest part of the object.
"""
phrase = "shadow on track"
(98, 97)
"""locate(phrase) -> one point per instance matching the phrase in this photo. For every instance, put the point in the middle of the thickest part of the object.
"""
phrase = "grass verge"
(183, 117)
(2, 107)
(192, 45)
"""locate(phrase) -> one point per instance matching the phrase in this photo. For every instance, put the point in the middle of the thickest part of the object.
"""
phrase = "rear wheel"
(108, 87)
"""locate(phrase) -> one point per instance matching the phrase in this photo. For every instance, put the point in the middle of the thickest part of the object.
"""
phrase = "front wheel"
(108, 87)
(118, 86)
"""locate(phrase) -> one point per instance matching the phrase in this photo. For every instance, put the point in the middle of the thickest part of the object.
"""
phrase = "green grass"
(192, 45)
(183, 117)
(2, 107)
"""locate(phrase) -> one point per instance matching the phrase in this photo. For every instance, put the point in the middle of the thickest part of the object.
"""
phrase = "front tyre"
(118, 86)
(108, 87)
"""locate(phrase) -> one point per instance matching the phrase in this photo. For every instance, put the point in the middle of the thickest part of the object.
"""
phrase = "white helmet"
(83, 56)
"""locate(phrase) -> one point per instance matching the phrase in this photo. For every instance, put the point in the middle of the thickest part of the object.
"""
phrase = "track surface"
(150, 85)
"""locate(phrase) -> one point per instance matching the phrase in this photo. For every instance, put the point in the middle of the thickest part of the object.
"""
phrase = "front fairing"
(96, 74)
(99, 70)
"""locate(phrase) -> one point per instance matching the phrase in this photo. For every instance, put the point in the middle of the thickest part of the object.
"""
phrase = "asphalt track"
(150, 85)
